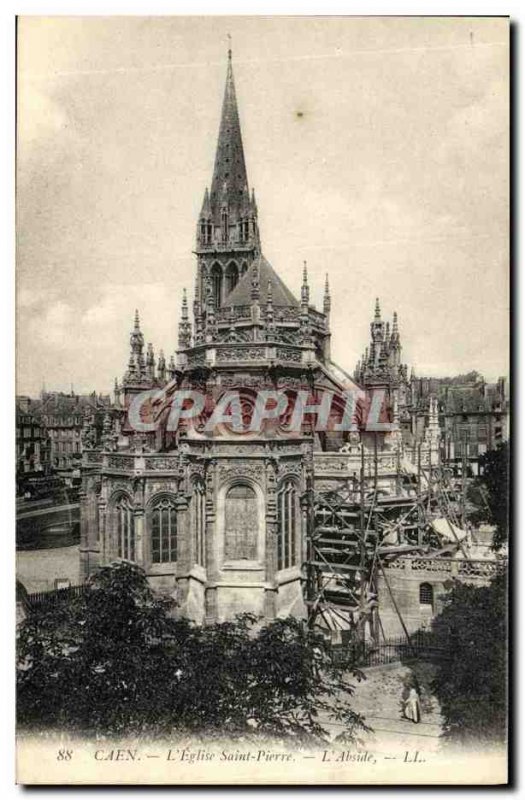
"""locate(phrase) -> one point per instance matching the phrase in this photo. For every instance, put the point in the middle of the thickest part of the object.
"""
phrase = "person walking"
(413, 706)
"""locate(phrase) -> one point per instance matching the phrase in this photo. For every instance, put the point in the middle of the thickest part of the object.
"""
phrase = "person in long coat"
(413, 706)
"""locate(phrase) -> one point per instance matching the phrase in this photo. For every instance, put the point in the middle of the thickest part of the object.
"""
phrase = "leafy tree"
(116, 662)
(471, 682)
(489, 493)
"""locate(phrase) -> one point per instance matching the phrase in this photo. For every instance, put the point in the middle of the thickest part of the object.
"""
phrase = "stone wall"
(400, 585)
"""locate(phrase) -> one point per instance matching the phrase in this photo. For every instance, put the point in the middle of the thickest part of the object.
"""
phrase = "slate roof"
(241, 295)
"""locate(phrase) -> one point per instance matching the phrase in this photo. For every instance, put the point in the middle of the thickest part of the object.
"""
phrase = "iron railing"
(421, 645)
(46, 599)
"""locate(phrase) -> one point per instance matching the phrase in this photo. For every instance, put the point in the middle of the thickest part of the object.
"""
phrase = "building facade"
(33, 446)
(216, 519)
(473, 414)
(64, 416)
(225, 517)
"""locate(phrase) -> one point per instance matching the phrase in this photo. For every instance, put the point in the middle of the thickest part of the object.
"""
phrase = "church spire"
(229, 187)
(228, 239)
(305, 289)
(136, 371)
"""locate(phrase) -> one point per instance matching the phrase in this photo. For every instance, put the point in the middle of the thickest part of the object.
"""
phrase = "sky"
(378, 149)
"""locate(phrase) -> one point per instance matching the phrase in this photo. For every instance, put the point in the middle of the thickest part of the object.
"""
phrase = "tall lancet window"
(124, 528)
(232, 276)
(198, 513)
(286, 524)
(224, 224)
(241, 524)
(164, 531)
(216, 282)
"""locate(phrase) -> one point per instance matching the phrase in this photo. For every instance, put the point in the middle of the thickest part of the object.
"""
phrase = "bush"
(471, 683)
(116, 662)
(489, 494)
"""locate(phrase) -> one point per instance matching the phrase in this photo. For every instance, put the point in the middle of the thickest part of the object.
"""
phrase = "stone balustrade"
(341, 464)
(132, 462)
(449, 567)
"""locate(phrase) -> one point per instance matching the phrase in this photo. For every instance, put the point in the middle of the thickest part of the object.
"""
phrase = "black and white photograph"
(262, 400)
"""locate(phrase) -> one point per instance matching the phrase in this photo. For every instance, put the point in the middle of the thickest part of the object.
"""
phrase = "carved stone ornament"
(119, 486)
(240, 469)
(170, 463)
(290, 468)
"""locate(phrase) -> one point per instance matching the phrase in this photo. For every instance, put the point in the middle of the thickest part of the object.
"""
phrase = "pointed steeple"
(184, 324)
(305, 289)
(227, 228)
(206, 207)
(136, 364)
(377, 335)
(304, 316)
(229, 187)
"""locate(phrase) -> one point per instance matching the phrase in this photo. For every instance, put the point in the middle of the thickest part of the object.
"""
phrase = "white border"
(7, 318)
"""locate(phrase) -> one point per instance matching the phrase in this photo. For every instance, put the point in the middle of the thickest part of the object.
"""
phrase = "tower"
(216, 515)
(227, 229)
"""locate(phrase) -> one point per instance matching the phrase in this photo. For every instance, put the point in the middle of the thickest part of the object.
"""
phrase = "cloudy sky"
(378, 150)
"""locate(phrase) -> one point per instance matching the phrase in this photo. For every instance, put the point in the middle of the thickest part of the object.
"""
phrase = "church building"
(228, 520)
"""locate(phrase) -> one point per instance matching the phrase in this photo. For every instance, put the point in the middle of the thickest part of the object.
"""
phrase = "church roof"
(241, 295)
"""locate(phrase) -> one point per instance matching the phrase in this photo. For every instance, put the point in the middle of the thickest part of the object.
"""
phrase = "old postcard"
(262, 412)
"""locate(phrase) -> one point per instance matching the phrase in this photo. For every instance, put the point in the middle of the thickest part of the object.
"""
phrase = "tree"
(489, 493)
(471, 682)
(116, 662)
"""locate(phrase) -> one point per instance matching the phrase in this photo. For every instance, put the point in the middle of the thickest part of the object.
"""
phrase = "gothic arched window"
(125, 528)
(216, 282)
(199, 523)
(232, 276)
(426, 595)
(286, 525)
(164, 531)
(241, 524)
